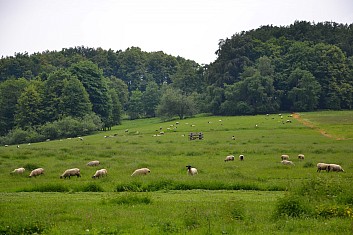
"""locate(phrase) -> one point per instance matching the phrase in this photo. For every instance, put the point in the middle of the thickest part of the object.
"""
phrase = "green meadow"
(256, 196)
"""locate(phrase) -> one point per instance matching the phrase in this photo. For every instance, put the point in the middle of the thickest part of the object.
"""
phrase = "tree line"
(301, 67)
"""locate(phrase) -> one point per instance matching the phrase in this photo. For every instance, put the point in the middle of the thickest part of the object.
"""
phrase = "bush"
(292, 206)
(132, 187)
(92, 187)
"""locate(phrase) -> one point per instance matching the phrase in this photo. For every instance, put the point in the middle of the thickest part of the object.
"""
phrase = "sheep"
(322, 166)
(18, 171)
(286, 162)
(141, 171)
(241, 157)
(100, 173)
(229, 158)
(301, 156)
(285, 157)
(71, 172)
(191, 170)
(36, 172)
(93, 163)
(335, 167)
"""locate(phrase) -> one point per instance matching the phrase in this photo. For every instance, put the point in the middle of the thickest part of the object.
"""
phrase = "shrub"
(291, 206)
(131, 187)
(92, 187)
(329, 211)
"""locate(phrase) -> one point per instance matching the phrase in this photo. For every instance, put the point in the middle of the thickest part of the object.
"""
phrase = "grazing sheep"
(285, 157)
(241, 157)
(229, 158)
(141, 171)
(71, 172)
(301, 156)
(100, 173)
(36, 172)
(93, 163)
(322, 166)
(18, 171)
(286, 162)
(335, 167)
(191, 170)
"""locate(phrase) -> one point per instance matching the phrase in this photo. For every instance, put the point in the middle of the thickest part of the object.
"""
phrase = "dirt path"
(312, 126)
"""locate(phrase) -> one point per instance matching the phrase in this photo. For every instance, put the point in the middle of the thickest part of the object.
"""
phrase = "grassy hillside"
(236, 197)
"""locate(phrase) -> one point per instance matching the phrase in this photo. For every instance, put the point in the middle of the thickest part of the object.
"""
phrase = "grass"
(254, 196)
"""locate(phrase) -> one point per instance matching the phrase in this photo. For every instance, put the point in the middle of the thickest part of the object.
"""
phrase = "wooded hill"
(300, 67)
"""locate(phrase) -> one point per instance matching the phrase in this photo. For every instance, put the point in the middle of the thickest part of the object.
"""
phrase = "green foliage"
(175, 103)
(292, 206)
(92, 187)
(131, 199)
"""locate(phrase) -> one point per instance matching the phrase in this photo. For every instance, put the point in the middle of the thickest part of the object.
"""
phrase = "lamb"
(141, 171)
(18, 171)
(286, 162)
(285, 157)
(301, 156)
(229, 158)
(100, 173)
(335, 167)
(71, 172)
(36, 172)
(191, 170)
(93, 163)
(322, 166)
(241, 157)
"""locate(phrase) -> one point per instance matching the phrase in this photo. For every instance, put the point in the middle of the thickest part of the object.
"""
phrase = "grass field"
(256, 196)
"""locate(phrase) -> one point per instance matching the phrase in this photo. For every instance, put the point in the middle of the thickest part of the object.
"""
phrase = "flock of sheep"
(76, 171)
(190, 170)
(320, 166)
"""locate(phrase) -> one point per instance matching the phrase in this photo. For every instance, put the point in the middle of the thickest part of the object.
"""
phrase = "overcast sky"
(188, 28)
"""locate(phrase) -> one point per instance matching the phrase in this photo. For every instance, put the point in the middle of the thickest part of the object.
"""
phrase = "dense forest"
(75, 91)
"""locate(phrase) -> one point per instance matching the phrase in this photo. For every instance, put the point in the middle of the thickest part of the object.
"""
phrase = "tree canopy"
(300, 67)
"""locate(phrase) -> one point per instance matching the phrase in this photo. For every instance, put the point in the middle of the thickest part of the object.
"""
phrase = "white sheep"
(191, 170)
(36, 172)
(229, 158)
(71, 172)
(322, 166)
(93, 163)
(301, 156)
(100, 173)
(241, 157)
(335, 167)
(18, 171)
(286, 162)
(285, 157)
(141, 171)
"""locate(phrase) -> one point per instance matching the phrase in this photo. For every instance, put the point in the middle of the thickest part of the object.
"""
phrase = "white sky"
(188, 28)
